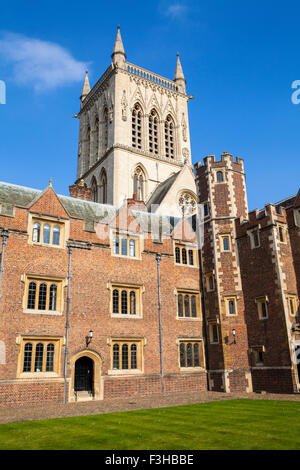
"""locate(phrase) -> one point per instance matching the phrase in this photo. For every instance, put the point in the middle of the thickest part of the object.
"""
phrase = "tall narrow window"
(124, 302)
(124, 246)
(133, 356)
(180, 305)
(50, 358)
(169, 137)
(27, 357)
(136, 124)
(125, 356)
(31, 295)
(182, 355)
(219, 176)
(36, 232)
(191, 257)
(56, 235)
(187, 312)
(95, 190)
(42, 296)
(103, 187)
(131, 247)
(153, 132)
(39, 353)
(196, 355)
(189, 355)
(116, 245)
(46, 233)
(115, 301)
(53, 297)
(96, 139)
(184, 257)
(116, 356)
(194, 306)
(138, 184)
(231, 306)
(132, 303)
(105, 129)
(177, 254)
(225, 243)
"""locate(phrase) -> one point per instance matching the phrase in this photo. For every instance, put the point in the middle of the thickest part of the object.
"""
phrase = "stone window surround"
(139, 289)
(259, 301)
(190, 292)
(251, 234)
(60, 282)
(140, 342)
(64, 225)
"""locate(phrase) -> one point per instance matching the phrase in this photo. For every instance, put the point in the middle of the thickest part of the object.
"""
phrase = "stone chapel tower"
(134, 137)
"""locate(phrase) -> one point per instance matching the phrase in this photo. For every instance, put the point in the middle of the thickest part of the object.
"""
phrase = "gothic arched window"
(136, 124)
(105, 130)
(95, 190)
(139, 183)
(103, 187)
(153, 132)
(169, 137)
(96, 139)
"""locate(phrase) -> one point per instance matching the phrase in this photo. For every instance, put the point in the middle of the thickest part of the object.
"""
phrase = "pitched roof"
(161, 190)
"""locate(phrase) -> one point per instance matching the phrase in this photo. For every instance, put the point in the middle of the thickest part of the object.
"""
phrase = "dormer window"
(125, 245)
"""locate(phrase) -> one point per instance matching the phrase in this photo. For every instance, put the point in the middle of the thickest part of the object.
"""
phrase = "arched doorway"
(86, 382)
(84, 375)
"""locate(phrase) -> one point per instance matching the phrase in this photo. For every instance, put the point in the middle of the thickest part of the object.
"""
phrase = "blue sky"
(239, 60)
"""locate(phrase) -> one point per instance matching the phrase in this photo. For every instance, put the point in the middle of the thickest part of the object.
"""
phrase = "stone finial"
(179, 76)
(118, 56)
(86, 86)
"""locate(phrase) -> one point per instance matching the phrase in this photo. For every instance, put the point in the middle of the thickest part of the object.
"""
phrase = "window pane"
(116, 357)
(180, 306)
(182, 355)
(50, 358)
(125, 356)
(177, 254)
(219, 176)
(132, 303)
(196, 355)
(194, 306)
(46, 233)
(191, 257)
(42, 297)
(39, 352)
(225, 244)
(292, 307)
(56, 235)
(187, 306)
(31, 295)
(124, 302)
(184, 258)
(124, 246)
(189, 355)
(36, 232)
(231, 307)
(211, 282)
(115, 301)
(131, 248)
(53, 297)
(263, 310)
(116, 246)
(133, 356)
(27, 357)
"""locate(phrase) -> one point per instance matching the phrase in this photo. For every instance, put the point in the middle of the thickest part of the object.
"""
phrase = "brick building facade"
(153, 294)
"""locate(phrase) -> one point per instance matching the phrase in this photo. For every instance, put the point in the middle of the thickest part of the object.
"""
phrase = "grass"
(228, 425)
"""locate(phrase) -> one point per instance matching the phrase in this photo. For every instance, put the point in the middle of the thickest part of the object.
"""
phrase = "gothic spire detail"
(86, 87)
(118, 56)
(179, 77)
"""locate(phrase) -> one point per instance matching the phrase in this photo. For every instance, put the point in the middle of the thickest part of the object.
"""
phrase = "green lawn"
(232, 424)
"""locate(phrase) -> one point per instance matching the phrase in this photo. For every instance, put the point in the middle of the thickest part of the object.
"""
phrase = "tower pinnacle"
(179, 77)
(86, 87)
(118, 56)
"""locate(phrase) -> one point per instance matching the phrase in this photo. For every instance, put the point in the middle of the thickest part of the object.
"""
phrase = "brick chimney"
(81, 191)
(138, 205)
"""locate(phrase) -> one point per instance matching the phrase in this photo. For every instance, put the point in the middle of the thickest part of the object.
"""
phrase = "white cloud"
(42, 64)
(176, 10)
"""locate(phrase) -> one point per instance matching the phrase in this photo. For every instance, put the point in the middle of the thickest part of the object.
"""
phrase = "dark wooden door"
(84, 374)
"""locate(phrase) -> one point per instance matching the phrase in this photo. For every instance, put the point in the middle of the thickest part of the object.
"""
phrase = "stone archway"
(86, 380)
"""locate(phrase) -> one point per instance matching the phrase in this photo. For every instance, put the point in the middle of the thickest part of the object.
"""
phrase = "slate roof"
(161, 190)
(12, 195)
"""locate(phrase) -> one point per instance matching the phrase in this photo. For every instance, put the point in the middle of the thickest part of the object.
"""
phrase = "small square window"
(262, 307)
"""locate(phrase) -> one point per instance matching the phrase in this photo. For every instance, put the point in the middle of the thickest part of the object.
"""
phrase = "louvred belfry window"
(136, 124)
(153, 132)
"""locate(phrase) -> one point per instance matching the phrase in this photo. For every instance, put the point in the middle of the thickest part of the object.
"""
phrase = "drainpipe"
(4, 235)
(158, 259)
(67, 324)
